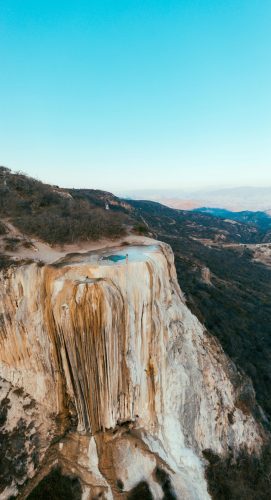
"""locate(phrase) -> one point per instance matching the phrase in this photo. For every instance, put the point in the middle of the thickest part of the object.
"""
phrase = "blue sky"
(130, 94)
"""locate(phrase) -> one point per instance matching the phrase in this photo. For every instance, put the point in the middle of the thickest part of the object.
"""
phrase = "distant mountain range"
(233, 199)
(260, 219)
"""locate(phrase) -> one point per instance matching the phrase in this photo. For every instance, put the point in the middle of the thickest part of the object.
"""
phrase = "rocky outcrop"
(206, 275)
(128, 388)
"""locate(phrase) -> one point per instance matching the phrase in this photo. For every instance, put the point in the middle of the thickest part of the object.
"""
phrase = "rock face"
(112, 378)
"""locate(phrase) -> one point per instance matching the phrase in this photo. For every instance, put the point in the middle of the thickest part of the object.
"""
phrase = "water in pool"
(114, 258)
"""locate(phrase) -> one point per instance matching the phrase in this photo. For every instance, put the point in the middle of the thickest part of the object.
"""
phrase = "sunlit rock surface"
(126, 389)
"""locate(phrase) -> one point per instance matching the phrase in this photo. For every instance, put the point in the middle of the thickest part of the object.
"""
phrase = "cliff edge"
(107, 374)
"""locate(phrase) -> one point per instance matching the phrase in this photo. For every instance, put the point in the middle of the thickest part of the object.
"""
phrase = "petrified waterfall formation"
(109, 343)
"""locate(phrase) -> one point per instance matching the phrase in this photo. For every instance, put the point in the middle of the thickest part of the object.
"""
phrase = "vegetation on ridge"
(60, 216)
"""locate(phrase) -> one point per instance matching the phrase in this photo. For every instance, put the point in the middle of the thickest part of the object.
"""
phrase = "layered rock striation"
(127, 388)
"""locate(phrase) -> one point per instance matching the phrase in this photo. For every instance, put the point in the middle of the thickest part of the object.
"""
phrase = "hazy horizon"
(218, 188)
(235, 198)
(126, 191)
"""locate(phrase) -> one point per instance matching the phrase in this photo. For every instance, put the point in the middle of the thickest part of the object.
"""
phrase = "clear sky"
(129, 94)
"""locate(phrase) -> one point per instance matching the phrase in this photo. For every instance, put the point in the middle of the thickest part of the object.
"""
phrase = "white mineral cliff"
(105, 347)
